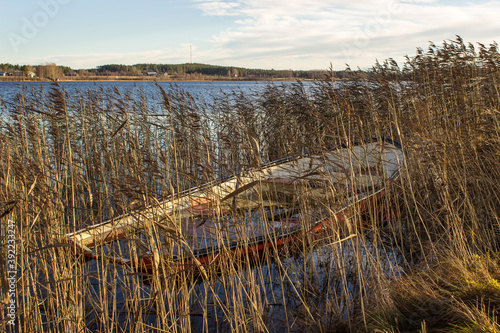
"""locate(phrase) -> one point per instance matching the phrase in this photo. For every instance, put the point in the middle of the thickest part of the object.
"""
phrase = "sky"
(268, 34)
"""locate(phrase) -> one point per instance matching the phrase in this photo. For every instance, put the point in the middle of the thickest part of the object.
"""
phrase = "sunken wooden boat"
(264, 209)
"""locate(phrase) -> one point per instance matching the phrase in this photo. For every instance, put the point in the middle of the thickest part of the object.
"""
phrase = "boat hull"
(357, 177)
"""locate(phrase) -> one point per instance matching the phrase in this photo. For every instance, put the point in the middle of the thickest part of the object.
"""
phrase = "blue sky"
(279, 34)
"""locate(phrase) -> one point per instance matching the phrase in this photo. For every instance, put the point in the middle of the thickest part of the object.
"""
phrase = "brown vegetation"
(69, 161)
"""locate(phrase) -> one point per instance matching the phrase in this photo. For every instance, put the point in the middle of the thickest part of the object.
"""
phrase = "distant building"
(31, 74)
(3, 74)
(150, 73)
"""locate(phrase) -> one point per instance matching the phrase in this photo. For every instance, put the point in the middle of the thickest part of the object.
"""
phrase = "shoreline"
(155, 79)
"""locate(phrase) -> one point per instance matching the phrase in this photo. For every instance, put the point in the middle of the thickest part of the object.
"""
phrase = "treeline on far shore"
(187, 71)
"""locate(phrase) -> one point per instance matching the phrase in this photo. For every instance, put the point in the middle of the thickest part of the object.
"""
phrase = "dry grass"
(70, 161)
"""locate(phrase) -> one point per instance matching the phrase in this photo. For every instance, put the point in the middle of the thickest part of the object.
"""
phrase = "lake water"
(198, 89)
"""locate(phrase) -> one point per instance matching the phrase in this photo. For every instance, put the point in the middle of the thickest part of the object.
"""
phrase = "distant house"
(150, 73)
(3, 74)
(31, 74)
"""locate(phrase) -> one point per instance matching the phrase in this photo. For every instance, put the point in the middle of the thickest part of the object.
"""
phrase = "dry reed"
(429, 262)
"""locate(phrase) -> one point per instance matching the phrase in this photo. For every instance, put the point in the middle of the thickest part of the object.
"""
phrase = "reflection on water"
(281, 288)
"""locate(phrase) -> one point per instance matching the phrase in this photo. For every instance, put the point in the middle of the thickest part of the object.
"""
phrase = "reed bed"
(425, 259)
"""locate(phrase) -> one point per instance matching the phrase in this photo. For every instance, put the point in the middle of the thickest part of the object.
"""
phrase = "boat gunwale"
(204, 186)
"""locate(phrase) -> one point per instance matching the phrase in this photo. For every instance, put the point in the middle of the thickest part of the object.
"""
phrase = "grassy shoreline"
(149, 79)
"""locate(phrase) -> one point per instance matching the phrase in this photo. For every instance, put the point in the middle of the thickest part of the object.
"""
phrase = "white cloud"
(219, 8)
(420, 1)
(285, 33)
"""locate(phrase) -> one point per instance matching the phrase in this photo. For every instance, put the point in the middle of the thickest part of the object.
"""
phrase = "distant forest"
(188, 71)
(207, 70)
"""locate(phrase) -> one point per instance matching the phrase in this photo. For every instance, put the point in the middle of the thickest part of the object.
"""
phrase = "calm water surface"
(198, 89)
